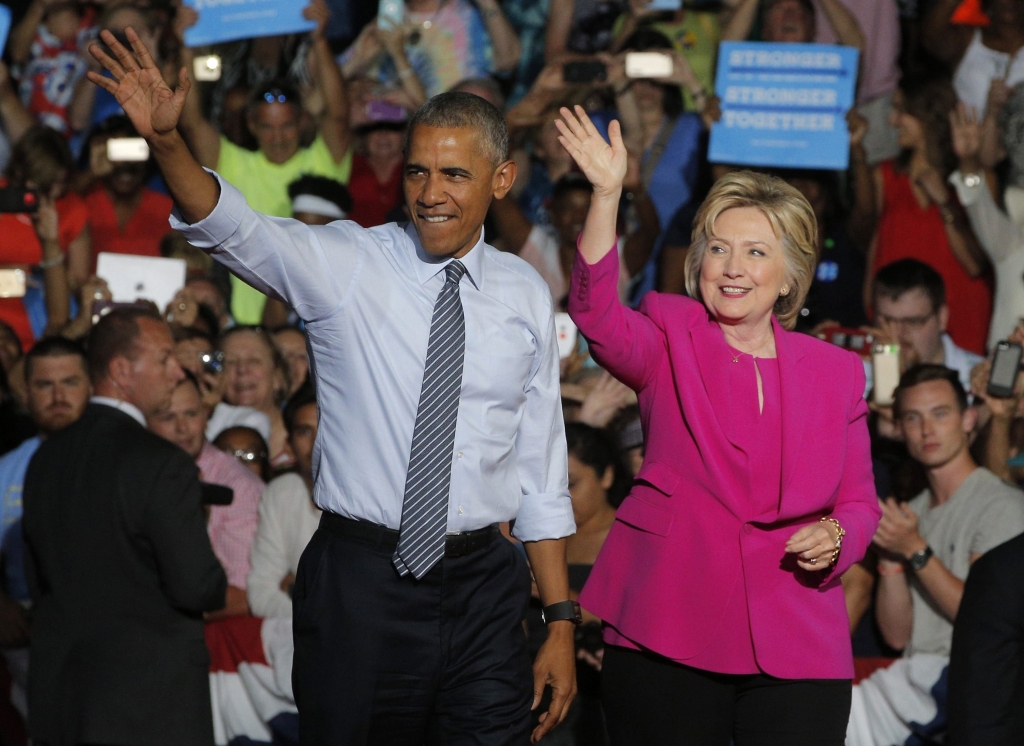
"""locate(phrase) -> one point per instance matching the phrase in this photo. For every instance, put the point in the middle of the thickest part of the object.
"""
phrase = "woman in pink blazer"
(719, 583)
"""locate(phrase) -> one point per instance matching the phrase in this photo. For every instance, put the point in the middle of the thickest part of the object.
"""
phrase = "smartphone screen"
(12, 283)
(127, 149)
(390, 14)
(885, 361)
(648, 65)
(565, 331)
(1005, 365)
(206, 67)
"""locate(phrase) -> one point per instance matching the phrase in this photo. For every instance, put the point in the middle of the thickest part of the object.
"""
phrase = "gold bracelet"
(841, 532)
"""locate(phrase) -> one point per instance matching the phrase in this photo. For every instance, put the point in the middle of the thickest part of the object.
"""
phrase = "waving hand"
(138, 86)
(604, 165)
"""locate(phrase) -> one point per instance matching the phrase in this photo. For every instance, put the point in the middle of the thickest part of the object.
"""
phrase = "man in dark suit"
(119, 564)
(986, 667)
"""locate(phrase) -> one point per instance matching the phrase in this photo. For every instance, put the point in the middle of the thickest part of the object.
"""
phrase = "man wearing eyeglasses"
(910, 308)
(435, 363)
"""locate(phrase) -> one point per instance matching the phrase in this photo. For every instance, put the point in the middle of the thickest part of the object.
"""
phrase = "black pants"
(390, 661)
(654, 701)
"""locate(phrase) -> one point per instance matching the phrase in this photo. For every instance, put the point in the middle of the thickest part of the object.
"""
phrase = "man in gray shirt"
(926, 550)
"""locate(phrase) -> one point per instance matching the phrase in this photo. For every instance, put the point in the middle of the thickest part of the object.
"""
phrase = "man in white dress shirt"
(436, 368)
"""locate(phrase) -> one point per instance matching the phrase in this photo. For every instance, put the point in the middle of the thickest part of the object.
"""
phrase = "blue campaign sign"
(228, 20)
(5, 26)
(784, 105)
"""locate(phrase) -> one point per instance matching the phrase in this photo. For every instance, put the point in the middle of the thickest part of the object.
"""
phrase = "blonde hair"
(791, 218)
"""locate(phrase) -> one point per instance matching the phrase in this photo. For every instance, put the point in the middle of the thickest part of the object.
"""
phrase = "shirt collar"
(426, 266)
(129, 409)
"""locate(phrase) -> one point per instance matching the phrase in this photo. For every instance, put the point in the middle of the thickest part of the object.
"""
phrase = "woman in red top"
(919, 217)
(55, 239)
(125, 216)
(376, 180)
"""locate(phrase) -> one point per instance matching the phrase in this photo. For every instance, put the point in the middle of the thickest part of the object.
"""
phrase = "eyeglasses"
(249, 456)
(913, 322)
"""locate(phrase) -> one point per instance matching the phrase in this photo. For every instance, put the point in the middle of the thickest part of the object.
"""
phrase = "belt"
(455, 545)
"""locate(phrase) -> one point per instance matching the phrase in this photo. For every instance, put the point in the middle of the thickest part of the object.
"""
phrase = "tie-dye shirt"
(451, 45)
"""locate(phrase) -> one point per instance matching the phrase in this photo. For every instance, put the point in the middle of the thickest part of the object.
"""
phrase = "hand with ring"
(814, 545)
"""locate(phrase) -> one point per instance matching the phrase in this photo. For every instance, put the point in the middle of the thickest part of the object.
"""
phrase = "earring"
(785, 291)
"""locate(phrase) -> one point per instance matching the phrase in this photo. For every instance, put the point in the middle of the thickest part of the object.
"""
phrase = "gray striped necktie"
(425, 508)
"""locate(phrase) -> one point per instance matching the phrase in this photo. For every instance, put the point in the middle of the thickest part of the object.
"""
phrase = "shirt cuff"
(544, 516)
(219, 225)
(967, 195)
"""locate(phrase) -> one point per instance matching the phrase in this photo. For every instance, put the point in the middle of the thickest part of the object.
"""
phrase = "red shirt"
(19, 244)
(143, 231)
(906, 231)
(372, 200)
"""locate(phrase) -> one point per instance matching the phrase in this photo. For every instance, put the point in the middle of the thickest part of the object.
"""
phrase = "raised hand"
(965, 130)
(604, 165)
(137, 85)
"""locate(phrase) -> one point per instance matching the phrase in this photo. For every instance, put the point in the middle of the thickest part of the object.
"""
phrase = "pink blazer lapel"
(713, 358)
(791, 383)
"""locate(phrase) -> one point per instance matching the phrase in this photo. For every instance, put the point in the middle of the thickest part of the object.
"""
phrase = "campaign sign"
(784, 105)
(228, 20)
(5, 26)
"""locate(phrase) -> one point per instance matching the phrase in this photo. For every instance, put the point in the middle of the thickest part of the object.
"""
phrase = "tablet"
(132, 278)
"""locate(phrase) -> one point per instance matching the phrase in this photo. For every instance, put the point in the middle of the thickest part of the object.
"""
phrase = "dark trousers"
(654, 701)
(391, 661)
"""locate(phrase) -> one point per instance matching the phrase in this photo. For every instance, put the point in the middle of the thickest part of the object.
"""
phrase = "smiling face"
(936, 430)
(251, 377)
(449, 183)
(277, 128)
(743, 270)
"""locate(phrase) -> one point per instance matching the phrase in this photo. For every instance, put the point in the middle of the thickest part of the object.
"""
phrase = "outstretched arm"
(201, 137)
(333, 124)
(154, 109)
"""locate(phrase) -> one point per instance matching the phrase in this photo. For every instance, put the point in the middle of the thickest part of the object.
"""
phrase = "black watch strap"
(562, 611)
(919, 559)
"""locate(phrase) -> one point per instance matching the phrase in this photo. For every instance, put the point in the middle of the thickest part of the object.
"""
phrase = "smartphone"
(13, 199)
(648, 65)
(1005, 366)
(390, 14)
(565, 332)
(213, 362)
(12, 283)
(206, 67)
(664, 5)
(885, 360)
(127, 149)
(584, 71)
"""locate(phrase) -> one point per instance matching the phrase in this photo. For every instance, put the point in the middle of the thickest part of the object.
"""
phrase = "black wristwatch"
(561, 612)
(920, 558)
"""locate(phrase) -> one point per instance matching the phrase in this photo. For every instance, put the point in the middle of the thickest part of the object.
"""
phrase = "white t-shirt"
(979, 67)
(982, 514)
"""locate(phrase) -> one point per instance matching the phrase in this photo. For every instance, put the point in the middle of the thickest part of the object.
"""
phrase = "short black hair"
(323, 187)
(598, 450)
(894, 279)
(457, 110)
(924, 372)
(571, 182)
(304, 396)
(55, 347)
(115, 335)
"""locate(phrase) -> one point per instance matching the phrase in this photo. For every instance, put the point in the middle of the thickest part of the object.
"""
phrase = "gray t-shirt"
(982, 514)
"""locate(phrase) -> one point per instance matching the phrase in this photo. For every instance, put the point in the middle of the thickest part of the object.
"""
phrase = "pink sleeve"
(627, 343)
(233, 531)
(856, 507)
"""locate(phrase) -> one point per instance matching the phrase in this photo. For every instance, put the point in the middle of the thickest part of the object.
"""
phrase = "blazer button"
(747, 528)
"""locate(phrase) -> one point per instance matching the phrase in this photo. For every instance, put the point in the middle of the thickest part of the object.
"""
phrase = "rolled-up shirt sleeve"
(309, 267)
(541, 457)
